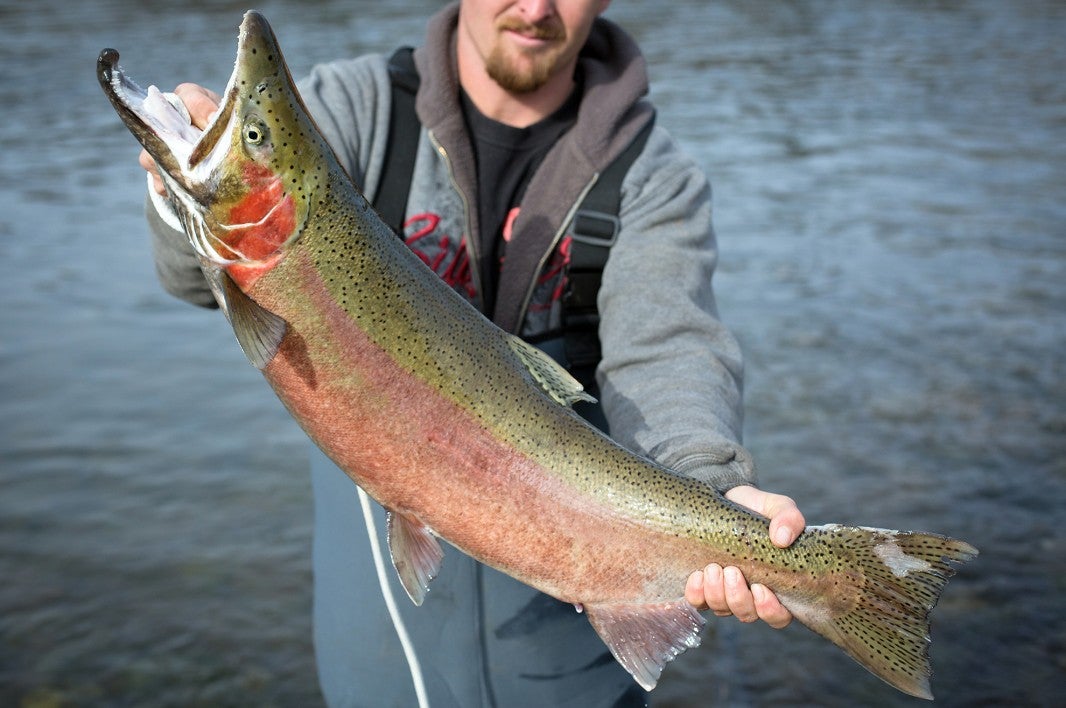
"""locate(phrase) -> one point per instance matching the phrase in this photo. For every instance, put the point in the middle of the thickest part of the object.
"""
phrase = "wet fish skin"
(463, 431)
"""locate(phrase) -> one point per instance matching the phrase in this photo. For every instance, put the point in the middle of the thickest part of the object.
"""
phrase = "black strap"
(402, 143)
(594, 230)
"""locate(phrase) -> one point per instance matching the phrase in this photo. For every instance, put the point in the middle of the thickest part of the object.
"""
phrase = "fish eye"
(254, 133)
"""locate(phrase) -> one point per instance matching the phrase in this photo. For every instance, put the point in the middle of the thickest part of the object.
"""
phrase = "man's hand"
(724, 590)
(201, 104)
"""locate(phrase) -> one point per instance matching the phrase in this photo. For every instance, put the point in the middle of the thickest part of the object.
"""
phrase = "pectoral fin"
(259, 331)
(643, 638)
(416, 555)
(552, 377)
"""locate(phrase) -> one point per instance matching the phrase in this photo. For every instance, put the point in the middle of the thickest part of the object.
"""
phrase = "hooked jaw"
(163, 125)
(190, 160)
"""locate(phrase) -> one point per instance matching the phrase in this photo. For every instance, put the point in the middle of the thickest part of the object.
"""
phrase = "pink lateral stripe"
(422, 455)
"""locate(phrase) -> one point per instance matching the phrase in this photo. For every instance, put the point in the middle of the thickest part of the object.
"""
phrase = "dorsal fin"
(551, 376)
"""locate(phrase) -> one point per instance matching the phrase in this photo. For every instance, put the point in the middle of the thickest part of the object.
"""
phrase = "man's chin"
(523, 75)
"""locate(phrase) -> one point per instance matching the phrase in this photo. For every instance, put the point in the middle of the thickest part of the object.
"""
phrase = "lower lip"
(526, 40)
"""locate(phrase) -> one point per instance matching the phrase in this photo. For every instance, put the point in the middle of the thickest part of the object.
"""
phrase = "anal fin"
(644, 638)
(416, 554)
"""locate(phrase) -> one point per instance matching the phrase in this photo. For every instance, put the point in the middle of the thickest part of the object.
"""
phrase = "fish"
(467, 434)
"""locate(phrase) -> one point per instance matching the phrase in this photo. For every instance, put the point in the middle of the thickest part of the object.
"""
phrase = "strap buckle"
(595, 228)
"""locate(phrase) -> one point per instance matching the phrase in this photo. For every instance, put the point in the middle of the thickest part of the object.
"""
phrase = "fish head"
(243, 187)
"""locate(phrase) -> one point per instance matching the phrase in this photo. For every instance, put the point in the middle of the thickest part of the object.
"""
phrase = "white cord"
(390, 602)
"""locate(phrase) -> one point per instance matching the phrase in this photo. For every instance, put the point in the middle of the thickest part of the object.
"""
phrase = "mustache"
(549, 29)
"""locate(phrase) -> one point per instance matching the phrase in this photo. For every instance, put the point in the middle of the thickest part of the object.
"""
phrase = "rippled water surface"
(890, 202)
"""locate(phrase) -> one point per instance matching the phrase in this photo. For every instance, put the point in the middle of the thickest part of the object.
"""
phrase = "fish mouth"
(163, 126)
(189, 158)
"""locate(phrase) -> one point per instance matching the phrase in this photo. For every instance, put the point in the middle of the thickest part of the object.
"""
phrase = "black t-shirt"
(506, 158)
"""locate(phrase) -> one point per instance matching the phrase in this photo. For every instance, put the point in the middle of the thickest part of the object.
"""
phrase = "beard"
(532, 68)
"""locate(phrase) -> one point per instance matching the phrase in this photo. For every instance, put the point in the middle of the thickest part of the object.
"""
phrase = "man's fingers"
(200, 102)
(714, 590)
(725, 592)
(786, 520)
(769, 608)
(706, 590)
(694, 590)
(786, 528)
(738, 596)
(152, 169)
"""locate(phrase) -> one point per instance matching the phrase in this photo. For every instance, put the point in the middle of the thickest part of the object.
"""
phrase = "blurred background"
(889, 185)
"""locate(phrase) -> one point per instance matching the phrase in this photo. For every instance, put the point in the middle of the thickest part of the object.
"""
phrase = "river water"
(891, 205)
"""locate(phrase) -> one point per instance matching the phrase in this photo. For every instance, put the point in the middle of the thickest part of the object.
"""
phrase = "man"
(522, 104)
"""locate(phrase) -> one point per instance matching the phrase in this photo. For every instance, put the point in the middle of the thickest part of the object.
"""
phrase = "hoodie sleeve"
(349, 102)
(671, 374)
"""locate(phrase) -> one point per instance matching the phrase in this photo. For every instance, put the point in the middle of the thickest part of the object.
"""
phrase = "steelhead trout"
(400, 381)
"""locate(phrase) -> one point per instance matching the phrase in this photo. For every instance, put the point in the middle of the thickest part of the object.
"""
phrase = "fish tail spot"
(896, 581)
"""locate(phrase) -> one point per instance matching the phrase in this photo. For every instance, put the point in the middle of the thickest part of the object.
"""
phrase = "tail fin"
(895, 580)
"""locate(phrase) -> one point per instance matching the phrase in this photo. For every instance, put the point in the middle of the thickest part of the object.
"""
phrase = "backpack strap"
(593, 231)
(402, 142)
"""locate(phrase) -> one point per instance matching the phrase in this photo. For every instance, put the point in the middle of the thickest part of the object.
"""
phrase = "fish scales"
(464, 432)
(427, 332)
(495, 463)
